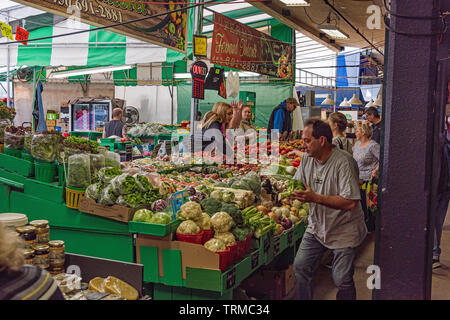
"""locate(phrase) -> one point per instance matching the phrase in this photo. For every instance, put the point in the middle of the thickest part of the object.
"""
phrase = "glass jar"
(41, 252)
(56, 253)
(29, 256)
(42, 230)
(28, 234)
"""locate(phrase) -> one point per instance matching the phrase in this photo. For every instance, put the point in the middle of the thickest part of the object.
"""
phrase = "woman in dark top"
(19, 281)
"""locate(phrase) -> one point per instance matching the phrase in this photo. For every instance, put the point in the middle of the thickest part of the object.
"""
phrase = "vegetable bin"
(45, 171)
(12, 152)
(73, 197)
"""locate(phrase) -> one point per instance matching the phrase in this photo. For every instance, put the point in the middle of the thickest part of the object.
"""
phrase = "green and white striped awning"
(92, 48)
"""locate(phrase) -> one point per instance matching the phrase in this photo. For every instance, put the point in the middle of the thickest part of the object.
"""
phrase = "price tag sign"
(231, 278)
(22, 35)
(7, 31)
(199, 71)
(200, 46)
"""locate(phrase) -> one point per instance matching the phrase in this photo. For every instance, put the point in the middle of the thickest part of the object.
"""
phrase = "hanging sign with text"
(167, 30)
(22, 35)
(7, 31)
(236, 45)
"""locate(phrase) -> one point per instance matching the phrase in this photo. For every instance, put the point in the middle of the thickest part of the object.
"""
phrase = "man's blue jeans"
(440, 213)
(308, 259)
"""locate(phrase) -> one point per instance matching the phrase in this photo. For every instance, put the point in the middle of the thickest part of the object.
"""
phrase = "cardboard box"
(286, 276)
(192, 255)
(115, 212)
(264, 285)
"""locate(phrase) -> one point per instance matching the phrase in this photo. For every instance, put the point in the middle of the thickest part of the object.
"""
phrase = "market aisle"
(324, 288)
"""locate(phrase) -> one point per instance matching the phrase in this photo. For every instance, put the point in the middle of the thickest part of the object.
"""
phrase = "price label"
(276, 246)
(255, 260)
(231, 278)
(200, 46)
(7, 31)
(22, 35)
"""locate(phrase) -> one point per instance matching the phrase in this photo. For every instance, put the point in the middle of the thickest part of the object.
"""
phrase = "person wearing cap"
(281, 118)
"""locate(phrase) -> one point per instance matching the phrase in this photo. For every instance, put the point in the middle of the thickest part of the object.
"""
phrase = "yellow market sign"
(167, 30)
(7, 31)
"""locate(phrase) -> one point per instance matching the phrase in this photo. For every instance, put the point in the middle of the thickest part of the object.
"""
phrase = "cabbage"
(221, 222)
(188, 227)
(227, 238)
(160, 218)
(190, 211)
(215, 245)
(204, 222)
(142, 215)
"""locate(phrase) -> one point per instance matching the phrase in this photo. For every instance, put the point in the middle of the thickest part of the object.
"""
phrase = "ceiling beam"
(275, 11)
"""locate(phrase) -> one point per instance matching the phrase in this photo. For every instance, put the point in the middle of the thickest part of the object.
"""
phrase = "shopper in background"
(19, 281)
(366, 153)
(223, 116)
(336, 220)
(115, 127)
(281, 118)
(246, 122)
(443, 198)
(338, 123)
(373, 117)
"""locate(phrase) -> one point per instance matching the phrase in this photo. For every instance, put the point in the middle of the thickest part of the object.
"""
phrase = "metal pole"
(194, 32)
(335, 86)
(8, 94)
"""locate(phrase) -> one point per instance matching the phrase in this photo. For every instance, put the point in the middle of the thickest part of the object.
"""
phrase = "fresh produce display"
(215, 245)
(204, 222)
(7, 113)
(79, 172)
(291, 186)
(142, 215)
(240, 233)
(190, 211)
(45, 145)
(105, 175)
(221, 222)
(97, 162)
(227, 238)
(14, 137)
(26, 140)
(148, 130)
(160, 218)
(4, 123)
(242, 198)
(188, 227)
(112, 159)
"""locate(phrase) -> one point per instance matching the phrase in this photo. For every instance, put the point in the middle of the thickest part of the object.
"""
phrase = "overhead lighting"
(333, 31)
(355, 100)
(296, 3)
(328, 101)
(345, 103)
(79, 72)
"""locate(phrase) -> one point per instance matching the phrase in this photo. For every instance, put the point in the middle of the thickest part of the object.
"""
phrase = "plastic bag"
(27, 141)
(108, 196)
(45, 147)
(92, 192)
(105, 175)
(124, 184)
(4, 123)
(143, 183)
(14, 138)
(112, 159)
(79, 173)
(130, 200)
(233, 84)
(97, 162)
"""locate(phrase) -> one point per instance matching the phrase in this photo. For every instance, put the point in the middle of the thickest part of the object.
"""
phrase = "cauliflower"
(204, 222)
(221, 222)
(227, 237)
(188, 227)
(215, 245)
(190, 211)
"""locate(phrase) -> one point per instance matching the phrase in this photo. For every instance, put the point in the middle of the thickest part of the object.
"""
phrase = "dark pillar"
(401, 250)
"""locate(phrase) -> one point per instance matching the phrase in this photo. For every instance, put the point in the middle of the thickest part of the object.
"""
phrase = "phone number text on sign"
(95, 9)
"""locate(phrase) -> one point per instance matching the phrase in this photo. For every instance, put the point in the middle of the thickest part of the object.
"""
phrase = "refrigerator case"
(91, 116)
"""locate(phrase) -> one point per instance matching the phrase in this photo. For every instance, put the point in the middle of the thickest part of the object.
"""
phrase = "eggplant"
(286, 223)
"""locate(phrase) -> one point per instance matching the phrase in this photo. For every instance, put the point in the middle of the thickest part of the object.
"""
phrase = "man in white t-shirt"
(336, 220)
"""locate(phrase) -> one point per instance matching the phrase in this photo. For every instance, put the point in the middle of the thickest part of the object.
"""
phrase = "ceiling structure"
(351, 16)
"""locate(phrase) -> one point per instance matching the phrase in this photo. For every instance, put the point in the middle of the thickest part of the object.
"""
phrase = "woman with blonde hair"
(223, 116)
(338, 123)
(19, 281)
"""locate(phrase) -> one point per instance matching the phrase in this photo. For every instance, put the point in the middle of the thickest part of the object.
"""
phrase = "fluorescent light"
(333, 31)
(296, 3)
(242, 74)
(79, 72)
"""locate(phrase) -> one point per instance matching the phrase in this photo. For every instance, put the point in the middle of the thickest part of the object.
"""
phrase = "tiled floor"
(324, 288)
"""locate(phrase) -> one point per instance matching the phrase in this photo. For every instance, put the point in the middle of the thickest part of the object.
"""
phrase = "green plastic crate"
(91, 135)
(107, 140)
(61, 175)
(45, 171)
(17, 165)
(12, 152)
(153, 229)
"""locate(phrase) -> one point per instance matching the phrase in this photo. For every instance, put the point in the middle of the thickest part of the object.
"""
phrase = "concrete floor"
(324, 288)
